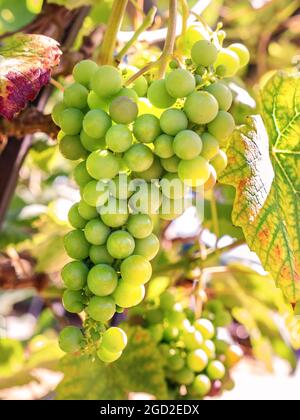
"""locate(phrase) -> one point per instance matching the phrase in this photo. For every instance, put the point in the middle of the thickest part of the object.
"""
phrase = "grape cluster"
(193, 354)
(132, 168)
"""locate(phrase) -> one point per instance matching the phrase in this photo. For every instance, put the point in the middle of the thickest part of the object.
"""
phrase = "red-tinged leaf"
(26, 62)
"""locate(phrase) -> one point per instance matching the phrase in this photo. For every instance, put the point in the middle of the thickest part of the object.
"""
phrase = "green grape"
(216, 370)
(100, 255)
(73, 301)
(184, 376)
(70, 339)
(230, 60)
(212, 180)
(204, 53)
(95, 102)
(159, 96)
(102, 165)
(200, 71)
(81, 175)
(115, 213)
(123, 110)
(120, 245)
(242, 52)
(96, 232)
(220, 162)
(147, 247)
(192, 339)
(71, 148)
(96, 123)
(128, 93)
(140, 226)
(120, 187)
(201, 107)
(96, 193)
(171, 164)
(154, 172)
(171, 209)
(206, 328)
(75, 96)
(171, 333)
(146, 128)
(222, 127)
(210, 146)
(57, 111)
(175, 361)
(180, 83)
(163, 146)
(76, 245)
(187, 145)
(108, 357)
(107, 81)
(173, 121)
(172, 187)
(141, 86)
(136, 270)
(173, 64)
(114, 340)
(101, 309)
(91, 144)
(209, 348)
(157, 332)
(71, 121)
(74, 275)
(222, 93)
(119, 138)
(102, 280)
(197, 360)
(127, 295)
(86, 211)
(167, 301)
(139, 158)
(175, 316)
(147, 200)
(84, 72)
(154, 316)
(202, 385)
(194, 33)
(194, 172)
(221, 71)
(75, 220)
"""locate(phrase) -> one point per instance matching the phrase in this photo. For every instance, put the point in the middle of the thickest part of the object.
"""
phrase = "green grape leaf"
(26, 62)
(74, 4)
(264, 165)
(140, 369)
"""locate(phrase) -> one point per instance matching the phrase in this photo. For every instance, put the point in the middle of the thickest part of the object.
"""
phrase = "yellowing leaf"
(26, 62)
(264, 167)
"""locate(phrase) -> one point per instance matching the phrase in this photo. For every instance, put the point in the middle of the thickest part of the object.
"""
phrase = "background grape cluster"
(101, 125)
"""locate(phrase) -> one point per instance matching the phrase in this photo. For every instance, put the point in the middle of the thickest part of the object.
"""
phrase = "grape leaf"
(26, 62)
(140, 369)
(264, 165)
(73, 4)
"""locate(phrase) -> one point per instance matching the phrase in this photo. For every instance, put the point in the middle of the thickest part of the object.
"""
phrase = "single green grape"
(163, 146)
(71, 121)
(147, 247)
(209, 348)
(201, 107)
(119, 138)
(75, 220)
(222, 127)
(140, 226)
(187, 145)
(192, 339)
(107, 81)
(154, 316)
(101, 309)
(230, 60)
(120, 245)
(120, 187)
(157, 332)
(173, 121)
(114, 339)
(220, 162)
(153, 173)
(147, 200)
(74, 275)
(210, 146)
(71, 148)
(70, 339)
(202, 385)
(86, 211)
(206, 328)
(172, 186)
(242, 52)
(96, 102)
(194, 172)
(123, 110)
(81, 175)
(91, 144)
(128, 93)
(159, 96)
(76, 245)
(96, 232)
(102, 164)
(127, 295)
(136, 270)
(171, 164)
(108, 357)
(175, 361)
(197, 360)
(139, 158)
(102, 280)
(204, 53)
(216, 370)
(96, 193)
(84, 71)
(141, 86)
(100, 255)
(180, 83)
(167, 301)
(172, 209)
(75, 96)
(222, 93)
(146, 128)
(57, 111)
(115, 213)
(171, 333)
(96, 123)
(73, 301)
(184, 376)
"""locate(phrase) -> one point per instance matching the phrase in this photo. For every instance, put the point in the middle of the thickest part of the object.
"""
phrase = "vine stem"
(107, 49)
(185, 15)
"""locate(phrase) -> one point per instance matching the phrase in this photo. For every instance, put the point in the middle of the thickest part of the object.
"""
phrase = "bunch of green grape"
(129, 164)
(194, 355)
